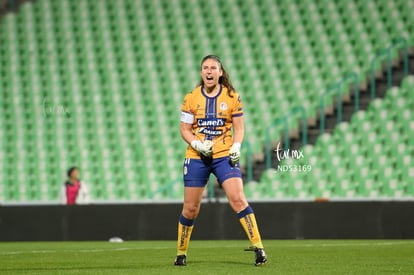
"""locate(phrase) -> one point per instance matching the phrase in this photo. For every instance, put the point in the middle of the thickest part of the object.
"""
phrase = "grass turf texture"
(208, 257)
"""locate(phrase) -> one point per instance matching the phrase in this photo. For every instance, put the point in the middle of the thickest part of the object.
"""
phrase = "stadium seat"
(100, 85)
(366, 158)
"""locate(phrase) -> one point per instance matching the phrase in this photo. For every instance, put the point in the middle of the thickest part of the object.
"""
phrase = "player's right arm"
(186, 129)
(187, 134)
(187, 119)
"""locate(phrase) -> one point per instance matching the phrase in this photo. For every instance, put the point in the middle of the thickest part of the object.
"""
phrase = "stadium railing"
(336, 88)
(386, 53)
(285, 121)
(249, 161)
(167, 189)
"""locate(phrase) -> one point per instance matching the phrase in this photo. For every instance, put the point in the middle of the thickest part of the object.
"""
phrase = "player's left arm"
(238, 129)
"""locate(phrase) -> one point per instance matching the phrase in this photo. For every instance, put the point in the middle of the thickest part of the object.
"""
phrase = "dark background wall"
(307, 220)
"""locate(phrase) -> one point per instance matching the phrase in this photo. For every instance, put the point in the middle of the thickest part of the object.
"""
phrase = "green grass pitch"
(209, 257)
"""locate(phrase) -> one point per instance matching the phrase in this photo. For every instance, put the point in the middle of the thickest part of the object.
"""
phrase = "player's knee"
(191, 211)
(238, 202)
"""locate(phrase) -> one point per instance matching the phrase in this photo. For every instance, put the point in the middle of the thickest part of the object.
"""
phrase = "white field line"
(81, 250)
(353, 243)
(281, 245)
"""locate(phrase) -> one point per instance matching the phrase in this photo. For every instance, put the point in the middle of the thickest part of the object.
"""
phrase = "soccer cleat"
(261, 258)
(180, 260)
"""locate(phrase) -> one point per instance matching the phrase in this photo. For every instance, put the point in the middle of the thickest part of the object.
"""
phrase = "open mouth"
(209, 78)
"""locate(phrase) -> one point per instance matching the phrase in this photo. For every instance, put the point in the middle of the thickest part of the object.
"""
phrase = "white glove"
(234, 152)
(205, 148)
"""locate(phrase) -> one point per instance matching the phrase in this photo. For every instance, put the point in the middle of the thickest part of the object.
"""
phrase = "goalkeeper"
(208, 114)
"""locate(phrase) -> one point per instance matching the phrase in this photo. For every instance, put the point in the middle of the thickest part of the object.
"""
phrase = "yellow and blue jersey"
(212, 118)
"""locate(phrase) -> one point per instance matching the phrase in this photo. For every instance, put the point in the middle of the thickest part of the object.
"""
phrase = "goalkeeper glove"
(234, 153)
(205, 148)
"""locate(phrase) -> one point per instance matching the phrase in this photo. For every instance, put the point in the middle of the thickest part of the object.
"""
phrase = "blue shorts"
(196, 172)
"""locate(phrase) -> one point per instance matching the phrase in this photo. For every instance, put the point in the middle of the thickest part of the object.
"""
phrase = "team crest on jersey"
(223, 106)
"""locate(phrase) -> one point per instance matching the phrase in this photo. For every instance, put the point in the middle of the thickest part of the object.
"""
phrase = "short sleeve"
(186, 106)
(187, 115)
(237, 106)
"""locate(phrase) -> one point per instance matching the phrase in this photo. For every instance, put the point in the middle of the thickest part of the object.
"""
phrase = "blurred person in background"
(75, 192)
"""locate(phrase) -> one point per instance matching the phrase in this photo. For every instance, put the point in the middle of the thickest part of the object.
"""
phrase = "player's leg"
(230, 179)
(191, 208)
(235, 194)
(196, 174)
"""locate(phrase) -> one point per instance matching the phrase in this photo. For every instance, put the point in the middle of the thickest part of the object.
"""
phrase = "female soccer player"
(208, 114)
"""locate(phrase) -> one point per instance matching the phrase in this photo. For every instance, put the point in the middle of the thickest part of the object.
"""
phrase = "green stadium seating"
(367, 158)
(99, 84)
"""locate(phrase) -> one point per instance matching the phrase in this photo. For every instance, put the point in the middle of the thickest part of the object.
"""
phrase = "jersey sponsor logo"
(210, 132)
(210, 122)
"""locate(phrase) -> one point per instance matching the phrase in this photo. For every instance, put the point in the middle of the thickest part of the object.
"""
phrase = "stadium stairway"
(370, 157)
(313, 130)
